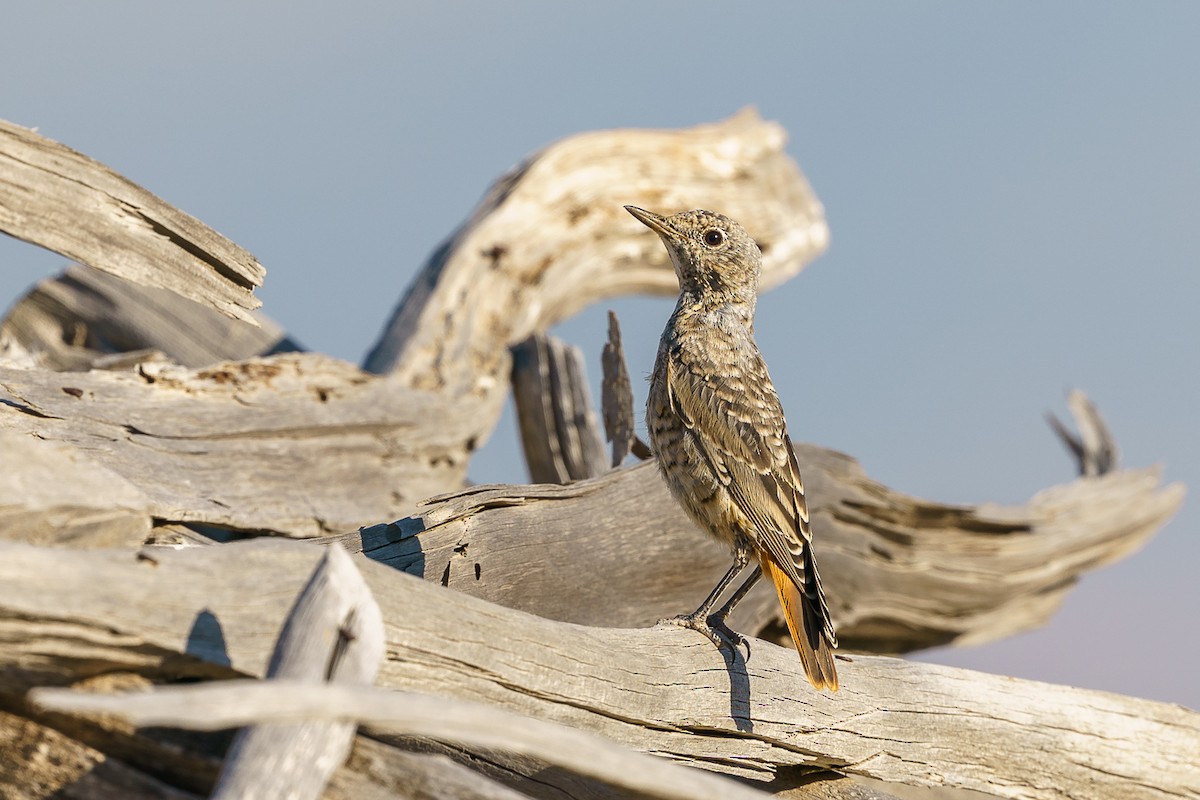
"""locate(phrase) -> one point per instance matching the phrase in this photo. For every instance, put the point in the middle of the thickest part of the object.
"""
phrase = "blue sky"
(1012, 191)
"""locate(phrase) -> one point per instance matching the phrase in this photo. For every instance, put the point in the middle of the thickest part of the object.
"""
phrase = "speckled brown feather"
(717, 426)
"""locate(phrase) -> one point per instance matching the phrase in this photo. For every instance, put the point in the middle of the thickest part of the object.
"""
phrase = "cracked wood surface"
(559, 433)
(297, 444)
(55, 197)
(661, 690)
(332, 637)
(274, 704)
(901, 573)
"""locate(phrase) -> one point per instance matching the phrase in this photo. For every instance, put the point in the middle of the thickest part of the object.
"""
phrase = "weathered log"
(272, 704)
(663, 690)
(82, 318)
(64, 201)
(160, 444)
(900, 573)
(333, 636)
(559, 433)
(296, 444)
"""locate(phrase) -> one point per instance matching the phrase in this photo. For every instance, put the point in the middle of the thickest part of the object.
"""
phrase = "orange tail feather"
(806, 628)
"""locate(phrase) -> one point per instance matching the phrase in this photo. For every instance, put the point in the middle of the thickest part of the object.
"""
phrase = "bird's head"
(713, 255)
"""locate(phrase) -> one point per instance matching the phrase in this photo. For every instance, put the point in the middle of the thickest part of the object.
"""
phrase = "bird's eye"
(714, 237)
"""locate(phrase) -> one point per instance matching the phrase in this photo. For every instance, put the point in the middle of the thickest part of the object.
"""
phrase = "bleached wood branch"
(617, 397)
(549, 239)
(55, 197)
(85, 318)
(901, 573)
(559, 433)
(41, 761)
(297, 444)
(662, 690)
(228, 704)
(334, 634)
(1094, 448)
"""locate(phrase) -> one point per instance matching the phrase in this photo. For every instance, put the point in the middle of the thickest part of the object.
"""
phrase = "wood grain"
(901, 573)
(661, 690)
(55, 197)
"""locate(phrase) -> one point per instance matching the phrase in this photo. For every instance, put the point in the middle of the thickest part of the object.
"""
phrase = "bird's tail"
(806, 627)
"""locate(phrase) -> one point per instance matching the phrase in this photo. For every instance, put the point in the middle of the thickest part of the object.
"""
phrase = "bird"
(716, 426)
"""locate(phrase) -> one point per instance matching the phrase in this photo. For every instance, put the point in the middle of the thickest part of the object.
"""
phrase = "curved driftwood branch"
(663, 690)
(64, 201)
(549, 239)
(901, 573)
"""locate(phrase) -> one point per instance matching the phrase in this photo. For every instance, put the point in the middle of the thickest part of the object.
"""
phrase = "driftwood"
(902, 573)
(302, 445)
(87, 319)
(548, 240)
(227, 447)
(1094, 448)
(297, 444)
(664, 690)
(64, 201)
(227, 704)
(559, 434)
(617, 399)
(331, 638)
(514, 268)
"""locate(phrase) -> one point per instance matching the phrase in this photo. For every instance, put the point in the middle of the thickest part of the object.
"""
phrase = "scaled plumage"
(716, 425)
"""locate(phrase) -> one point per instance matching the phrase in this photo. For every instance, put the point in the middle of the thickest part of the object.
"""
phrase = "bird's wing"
(737, 426)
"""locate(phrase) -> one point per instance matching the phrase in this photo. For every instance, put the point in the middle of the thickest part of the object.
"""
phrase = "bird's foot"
(714, 629)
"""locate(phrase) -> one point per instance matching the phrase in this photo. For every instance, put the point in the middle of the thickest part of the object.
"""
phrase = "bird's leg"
(717, 620)
(713, 625)
(737, 596)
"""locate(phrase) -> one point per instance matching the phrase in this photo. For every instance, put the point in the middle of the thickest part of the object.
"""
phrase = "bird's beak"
(652, 221)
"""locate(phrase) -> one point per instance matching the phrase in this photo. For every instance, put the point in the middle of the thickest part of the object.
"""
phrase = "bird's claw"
(713, 628)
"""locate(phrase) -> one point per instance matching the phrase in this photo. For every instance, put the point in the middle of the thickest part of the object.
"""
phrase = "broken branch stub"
(559, 433)
(333, 634)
